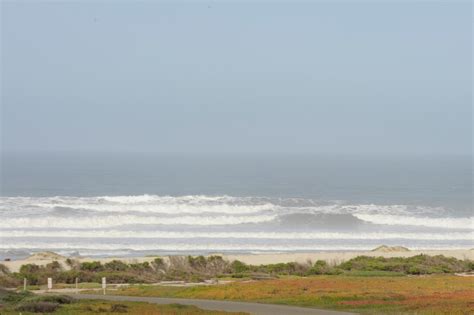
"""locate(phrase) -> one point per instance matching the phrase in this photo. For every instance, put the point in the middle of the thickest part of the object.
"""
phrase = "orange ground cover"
(441, 294)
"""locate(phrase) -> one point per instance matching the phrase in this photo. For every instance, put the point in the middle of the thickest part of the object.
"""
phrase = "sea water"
(105, 204)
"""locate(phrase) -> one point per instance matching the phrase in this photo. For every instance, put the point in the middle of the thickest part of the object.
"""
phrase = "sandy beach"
(44, 258)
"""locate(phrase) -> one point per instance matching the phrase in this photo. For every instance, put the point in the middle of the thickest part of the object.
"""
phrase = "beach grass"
(433, 294)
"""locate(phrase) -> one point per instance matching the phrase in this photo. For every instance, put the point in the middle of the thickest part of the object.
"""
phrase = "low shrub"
(70, 276)
(119, 308)
(38, 307)
(238, 267)
(10, 297)
(158, 264)
(59, 299)
(36, 274)
(416, 265)
(141, 267)
(320, 267)
(91, 266)
(116, 265)
(7, 280)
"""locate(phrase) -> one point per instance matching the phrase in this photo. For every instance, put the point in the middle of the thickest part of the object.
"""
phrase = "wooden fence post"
(104, 284)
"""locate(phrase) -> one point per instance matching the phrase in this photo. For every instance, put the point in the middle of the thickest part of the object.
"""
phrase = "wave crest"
(444, 223)
(123, 220)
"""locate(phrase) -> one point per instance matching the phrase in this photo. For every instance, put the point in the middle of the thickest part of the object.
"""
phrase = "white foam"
(203, 204)
(212, 210)
(145, 203)
(235, 235)
(156, 198)
(447, 223)
(119, 220)
(164, 208)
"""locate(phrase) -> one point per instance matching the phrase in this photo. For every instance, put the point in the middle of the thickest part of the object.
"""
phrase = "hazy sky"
(329, 78)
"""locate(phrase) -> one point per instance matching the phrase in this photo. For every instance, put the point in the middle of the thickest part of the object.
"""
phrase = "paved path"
(252, 308)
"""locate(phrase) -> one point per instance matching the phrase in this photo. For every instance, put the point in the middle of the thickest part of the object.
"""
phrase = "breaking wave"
(222, 223)
(444, 223)
(120, 220)
(203, 204)
(128, 234)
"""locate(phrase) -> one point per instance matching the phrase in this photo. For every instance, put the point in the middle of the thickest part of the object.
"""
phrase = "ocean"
(106, 204)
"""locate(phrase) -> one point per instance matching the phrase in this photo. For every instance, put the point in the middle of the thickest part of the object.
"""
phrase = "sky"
(214, 77)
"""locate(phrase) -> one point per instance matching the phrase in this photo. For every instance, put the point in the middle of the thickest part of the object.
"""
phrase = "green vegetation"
(416, 265)
(200, 268)
(362, 284)
(115, 271)
(177, 268)
(361, 266)
(28, 303)
(6, 279)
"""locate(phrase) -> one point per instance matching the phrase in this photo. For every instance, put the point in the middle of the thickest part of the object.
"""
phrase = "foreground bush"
(9, 297)
(28, 302)
(38, 307)
(59, 299)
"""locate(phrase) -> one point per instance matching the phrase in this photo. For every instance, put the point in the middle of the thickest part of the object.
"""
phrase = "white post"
(104, 284)
(50, 283)
(24, 284)
(77, 289)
